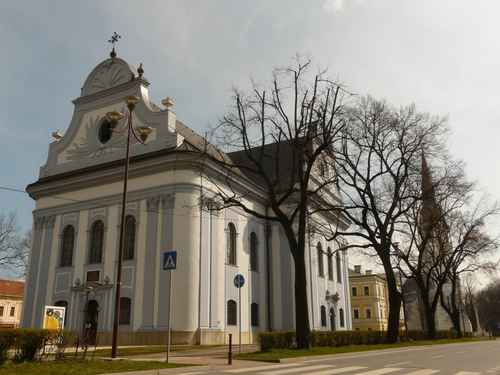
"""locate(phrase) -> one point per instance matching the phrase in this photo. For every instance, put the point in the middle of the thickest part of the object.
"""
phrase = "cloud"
(334, 6)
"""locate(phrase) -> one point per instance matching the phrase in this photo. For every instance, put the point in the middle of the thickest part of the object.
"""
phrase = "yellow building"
(369, 300)
(11, 303)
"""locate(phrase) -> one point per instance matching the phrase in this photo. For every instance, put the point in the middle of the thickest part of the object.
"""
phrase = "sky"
(442, 55)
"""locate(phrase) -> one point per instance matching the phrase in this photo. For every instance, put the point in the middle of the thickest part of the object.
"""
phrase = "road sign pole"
(239, 319)
(169, 315)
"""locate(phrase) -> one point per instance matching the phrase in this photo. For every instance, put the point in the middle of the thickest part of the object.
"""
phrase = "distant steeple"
(431, 215)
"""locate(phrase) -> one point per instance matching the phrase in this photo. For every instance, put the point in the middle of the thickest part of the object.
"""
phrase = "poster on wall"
(53, 317)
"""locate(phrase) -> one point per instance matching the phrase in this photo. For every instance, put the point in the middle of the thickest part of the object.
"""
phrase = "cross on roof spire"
(113, 40)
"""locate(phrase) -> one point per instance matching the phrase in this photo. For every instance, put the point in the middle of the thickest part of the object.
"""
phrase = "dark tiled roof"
(279, 163)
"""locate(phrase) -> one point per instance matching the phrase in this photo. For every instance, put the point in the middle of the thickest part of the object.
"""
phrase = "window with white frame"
(231, 244)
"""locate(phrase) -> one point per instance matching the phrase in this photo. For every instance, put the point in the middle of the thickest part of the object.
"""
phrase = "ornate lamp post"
(142, 132)
(332, 298)
(86, 291)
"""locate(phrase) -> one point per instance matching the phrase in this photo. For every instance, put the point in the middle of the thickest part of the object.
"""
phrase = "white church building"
(76, 230)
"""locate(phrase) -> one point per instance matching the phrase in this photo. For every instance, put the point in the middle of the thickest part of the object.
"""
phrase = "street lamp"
(142, 132)
(86, 291)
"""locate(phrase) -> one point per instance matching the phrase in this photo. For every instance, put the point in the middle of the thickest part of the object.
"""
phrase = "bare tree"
(469, 292)
(377, 161)
(442, 237)
(281, 140)
(488, 305)
(472, 251)
(14, 248)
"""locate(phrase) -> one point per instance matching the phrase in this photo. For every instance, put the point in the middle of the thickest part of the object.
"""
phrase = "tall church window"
(67, 246)
(125, 310)
(96, 242)
(253, 251)
(339, 266)
(254, 314)
(231, 244)
(321, 270)
(231, 313)
(128, 250)
(323, 316)
(330, 264)
(341, 317)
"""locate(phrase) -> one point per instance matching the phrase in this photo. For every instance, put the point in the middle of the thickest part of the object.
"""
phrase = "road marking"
(337, 370)
(478, 349)
(379, 371)
(438, 356)
(423, 372)
(287, 370)
(262, 368)
(397, 364)
(464, 351)
(467, 373)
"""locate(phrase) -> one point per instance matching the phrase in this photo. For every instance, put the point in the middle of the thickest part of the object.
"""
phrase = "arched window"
(339, 273)
(330, 264)
(321, 270)
(67, 246)
(253, 251)
(125, 310)
(323, 316)
(254, 314)
(231, 313)
(65, 305)
(231, 244)
(96, 242)
(128, 250)
(341, 317)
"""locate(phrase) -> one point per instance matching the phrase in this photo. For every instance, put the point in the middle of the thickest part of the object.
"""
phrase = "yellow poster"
(54, 317)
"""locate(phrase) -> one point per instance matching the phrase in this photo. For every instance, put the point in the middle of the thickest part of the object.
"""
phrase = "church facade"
(76, 234)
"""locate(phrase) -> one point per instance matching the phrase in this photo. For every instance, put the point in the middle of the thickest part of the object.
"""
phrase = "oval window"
(105, 132)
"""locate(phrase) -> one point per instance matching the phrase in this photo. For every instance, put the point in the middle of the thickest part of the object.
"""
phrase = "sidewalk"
(203, 359)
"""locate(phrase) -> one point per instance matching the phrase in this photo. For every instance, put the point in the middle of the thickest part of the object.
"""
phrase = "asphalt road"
(474, 358)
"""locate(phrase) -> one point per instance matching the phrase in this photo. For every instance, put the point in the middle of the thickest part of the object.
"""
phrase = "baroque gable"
(82, 145)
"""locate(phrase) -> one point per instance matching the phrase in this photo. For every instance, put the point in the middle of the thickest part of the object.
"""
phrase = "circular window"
(105, 132)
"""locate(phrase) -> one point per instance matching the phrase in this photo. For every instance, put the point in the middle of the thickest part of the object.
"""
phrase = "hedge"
(286, 339)
(29, 344)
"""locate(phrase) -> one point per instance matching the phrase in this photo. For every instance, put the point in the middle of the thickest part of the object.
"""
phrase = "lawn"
(79, 367)
(275, 354)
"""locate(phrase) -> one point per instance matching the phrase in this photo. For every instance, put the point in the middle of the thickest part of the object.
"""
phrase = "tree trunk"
(395, 299)
(430, 317)
(303, 330)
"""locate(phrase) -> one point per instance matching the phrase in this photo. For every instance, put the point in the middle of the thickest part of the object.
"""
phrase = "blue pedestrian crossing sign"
(170, 260)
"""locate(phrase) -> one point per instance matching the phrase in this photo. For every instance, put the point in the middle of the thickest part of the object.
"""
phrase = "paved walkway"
(205, 359)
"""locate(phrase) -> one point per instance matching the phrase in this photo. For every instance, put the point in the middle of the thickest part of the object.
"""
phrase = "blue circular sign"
(239, 281)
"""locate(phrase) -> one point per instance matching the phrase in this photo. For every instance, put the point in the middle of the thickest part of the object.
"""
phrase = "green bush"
(286, 339)
(276, 340)
(29, 342)
(8, 337)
